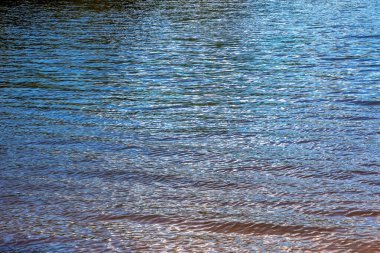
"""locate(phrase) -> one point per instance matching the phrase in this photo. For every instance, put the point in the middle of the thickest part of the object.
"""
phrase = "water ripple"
(177, 126)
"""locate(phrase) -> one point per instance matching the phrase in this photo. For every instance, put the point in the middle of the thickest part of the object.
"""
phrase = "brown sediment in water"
(219, 226)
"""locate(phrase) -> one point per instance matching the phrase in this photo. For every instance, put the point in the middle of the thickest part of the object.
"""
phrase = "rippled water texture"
(190, 126)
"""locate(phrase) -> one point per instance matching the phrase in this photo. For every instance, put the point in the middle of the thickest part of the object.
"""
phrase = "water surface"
(189, 126)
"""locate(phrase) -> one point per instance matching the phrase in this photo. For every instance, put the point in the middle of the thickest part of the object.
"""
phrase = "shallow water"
(189, 126)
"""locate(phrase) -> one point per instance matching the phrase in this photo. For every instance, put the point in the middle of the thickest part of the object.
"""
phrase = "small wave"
(366, 102)
(347, 213)
(225, 227)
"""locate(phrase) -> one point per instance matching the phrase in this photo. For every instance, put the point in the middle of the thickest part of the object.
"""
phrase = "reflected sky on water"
(201, 126)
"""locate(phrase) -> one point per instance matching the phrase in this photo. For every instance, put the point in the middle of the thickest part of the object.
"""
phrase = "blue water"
(190, 126)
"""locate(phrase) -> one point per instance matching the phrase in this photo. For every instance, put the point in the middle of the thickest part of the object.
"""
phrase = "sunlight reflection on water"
(222, 126)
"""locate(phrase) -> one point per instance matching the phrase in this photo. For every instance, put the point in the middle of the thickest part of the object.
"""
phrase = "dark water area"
(190, 126)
